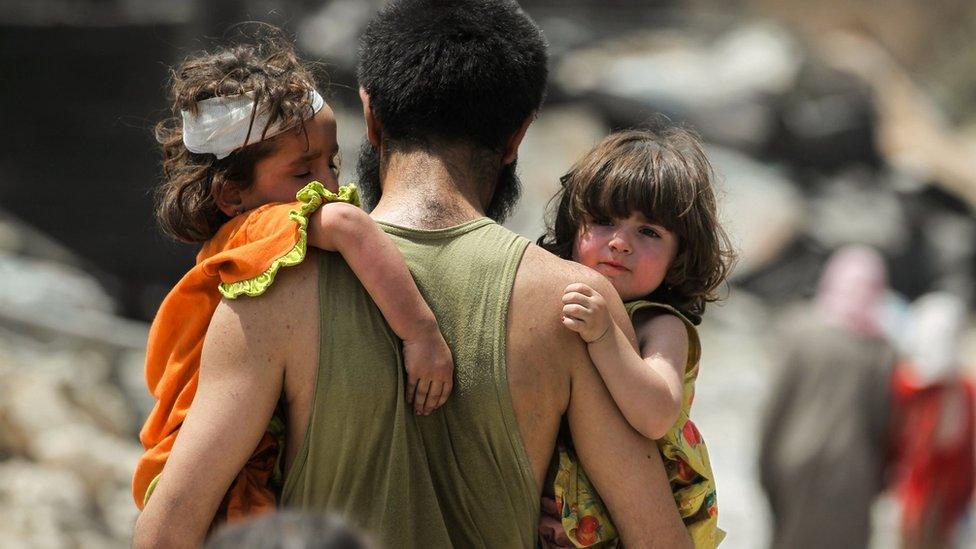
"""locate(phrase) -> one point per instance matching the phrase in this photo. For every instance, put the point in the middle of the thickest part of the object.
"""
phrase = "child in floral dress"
(639, 208)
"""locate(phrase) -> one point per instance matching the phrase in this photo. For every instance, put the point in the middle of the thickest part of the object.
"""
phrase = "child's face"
(632, 252)
(295, 162)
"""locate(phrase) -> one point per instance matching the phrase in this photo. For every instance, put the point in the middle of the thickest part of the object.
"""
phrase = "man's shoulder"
(536, 303)
(287, 312)
(548, 272)
(290, 291)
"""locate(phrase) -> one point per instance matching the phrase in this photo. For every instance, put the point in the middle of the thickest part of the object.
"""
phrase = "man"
(449, 89)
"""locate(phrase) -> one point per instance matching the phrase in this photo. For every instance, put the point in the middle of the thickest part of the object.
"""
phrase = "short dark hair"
(663, 173)
(468, 70)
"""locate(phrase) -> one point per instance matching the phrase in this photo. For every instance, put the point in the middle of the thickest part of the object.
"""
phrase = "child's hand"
(585, 312)
(430, 371)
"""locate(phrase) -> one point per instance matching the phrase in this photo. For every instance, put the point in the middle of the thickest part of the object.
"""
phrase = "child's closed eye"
(335, 164)
(303, 175)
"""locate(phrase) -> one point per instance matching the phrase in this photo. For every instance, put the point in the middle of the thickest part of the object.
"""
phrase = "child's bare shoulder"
(660, 322)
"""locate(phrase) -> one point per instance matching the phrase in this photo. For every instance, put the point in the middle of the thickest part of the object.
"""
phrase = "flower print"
(685, 472)
(691, 433)
(587, 533)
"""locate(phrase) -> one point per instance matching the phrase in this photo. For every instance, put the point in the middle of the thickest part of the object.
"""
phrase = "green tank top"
(459, 477)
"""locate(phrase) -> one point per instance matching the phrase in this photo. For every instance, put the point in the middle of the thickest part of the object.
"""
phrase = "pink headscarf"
(851, 290)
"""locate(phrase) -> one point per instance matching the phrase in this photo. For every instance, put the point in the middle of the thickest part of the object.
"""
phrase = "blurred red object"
(934, 458)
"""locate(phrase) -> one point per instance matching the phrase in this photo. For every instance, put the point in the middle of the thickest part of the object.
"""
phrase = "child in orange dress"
(250, 135)
(639, 209)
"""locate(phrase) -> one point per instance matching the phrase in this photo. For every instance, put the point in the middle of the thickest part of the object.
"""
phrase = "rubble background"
(828, 123)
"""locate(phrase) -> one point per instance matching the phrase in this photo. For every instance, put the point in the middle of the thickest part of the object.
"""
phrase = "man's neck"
(429, 191)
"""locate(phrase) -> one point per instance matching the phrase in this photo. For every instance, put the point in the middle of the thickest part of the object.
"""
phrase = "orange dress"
(241, 259)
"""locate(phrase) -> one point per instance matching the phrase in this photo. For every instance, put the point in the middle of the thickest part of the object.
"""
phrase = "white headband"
(222, 124)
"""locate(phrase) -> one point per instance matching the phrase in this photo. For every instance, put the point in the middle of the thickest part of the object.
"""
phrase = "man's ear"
(229, 198)
(511, 147)
(373, 132)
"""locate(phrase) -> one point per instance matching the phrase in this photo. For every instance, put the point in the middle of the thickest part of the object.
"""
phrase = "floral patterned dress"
(584, 516)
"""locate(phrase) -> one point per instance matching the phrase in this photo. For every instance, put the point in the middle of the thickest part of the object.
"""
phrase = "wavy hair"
(665, 175)
(269, 68)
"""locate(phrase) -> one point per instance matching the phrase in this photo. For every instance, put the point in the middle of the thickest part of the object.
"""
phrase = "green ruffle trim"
(150, 489)
(311, 197)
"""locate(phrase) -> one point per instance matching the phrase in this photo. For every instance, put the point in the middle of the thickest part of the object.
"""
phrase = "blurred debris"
(759, 205)
(46, 291)
(94, 13)
(912, 134)
(332, 32)
(824, 122)
(68, 422)
(720, 86)
(556, 140)
(838, 207)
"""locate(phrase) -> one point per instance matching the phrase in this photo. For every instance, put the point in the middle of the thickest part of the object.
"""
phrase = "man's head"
(450, 72)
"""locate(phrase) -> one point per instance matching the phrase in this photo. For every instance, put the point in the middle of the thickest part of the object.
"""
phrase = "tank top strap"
(694, 343)
(459, 477)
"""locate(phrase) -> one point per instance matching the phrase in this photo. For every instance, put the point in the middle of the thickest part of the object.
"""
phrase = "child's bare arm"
(379, 266)
(647, 386)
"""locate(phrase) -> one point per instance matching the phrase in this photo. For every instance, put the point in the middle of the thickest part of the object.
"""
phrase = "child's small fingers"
(575, 297)
(573, 324)
(580, 288)
(575, 310)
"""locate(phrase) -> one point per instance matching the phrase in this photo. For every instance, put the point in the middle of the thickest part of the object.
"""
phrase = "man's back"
(458, 477)
(468, 469)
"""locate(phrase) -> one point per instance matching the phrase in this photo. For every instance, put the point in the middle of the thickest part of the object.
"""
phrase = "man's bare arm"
(240, 383)
(624, 466)
(550, 371)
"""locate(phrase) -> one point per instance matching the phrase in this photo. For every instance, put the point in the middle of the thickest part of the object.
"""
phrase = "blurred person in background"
(824, 433)
(289, 530)
(934, 427)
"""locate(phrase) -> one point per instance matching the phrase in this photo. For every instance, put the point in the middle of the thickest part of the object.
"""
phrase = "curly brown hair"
(664, 174)
(269, 68)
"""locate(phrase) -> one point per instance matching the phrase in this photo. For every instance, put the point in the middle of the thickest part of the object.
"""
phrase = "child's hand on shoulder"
(585, 312)
(430, 370)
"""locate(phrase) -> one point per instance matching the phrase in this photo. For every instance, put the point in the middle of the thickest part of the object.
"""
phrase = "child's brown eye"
(647, 231)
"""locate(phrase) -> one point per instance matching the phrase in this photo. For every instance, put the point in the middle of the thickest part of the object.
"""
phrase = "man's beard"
(507, 190)
(368, 171)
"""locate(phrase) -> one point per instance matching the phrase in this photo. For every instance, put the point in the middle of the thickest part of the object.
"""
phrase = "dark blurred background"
(829, 123)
